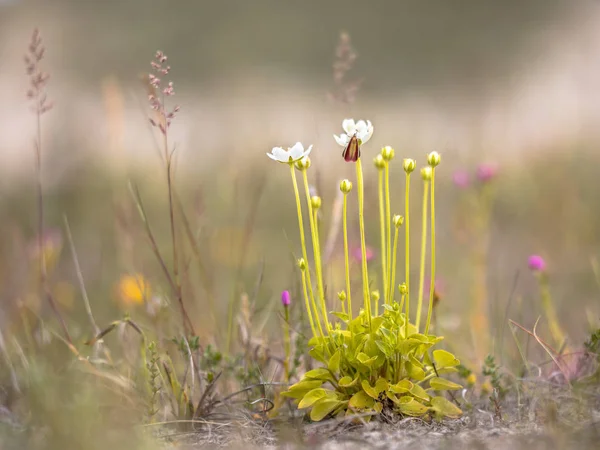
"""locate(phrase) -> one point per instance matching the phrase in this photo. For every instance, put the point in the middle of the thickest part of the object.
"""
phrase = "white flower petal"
(366, 134)
(296, 152)
(308, 150)
(279, 154)
(297, 146)
(342, 139)
(361, 126)
(349, 126)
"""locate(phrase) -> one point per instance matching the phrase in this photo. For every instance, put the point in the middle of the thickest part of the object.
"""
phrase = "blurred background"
(513, 84)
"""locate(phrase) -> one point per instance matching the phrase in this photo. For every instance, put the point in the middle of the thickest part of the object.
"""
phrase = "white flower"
(291, 155)
(361, 129)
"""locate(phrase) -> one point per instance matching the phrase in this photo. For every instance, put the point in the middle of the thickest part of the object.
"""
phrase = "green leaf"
(415, 372)
(300, 389)
(402, 387)
(347, 381)
(444, 359)
(445, 408)
(411, 407)
(441, 384)
(334, 362)
(342, 316)
(378, 407)
(318, 374)
(419, 393)
(322, 408)
(385, 348)
(361, 400)
(311, 397)
(376, 323)
(371, 391)
(364, 359)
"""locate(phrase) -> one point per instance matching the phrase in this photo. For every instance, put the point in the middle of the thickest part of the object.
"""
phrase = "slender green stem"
(382, 230)
(423, 250)
(316, 251)
(407, 249)
(388, 229)
(432, 285)
(402, 298)
(307, 304)
(394, 259)
(363, 245)
(303, 244)
(346, 254)
(287, 343)
(551, 317)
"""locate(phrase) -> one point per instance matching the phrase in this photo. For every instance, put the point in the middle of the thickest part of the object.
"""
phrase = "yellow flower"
(133, 289)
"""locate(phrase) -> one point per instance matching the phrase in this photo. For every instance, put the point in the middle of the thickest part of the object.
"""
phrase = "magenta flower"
(486, 172)
(461, 179)
(537, 263)
(285, 299)
(357, 253)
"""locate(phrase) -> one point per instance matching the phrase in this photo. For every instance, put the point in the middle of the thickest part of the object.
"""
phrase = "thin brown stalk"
(40, 105)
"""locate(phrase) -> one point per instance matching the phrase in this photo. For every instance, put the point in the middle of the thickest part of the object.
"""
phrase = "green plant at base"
(377, 368)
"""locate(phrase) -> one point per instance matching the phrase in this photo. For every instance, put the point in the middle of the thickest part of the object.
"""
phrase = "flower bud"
(379, 162)
(285, 299)
(342, 296)
(301, 264)
(375, 296)
(346, 186)
(398, 220)
(409, 165)
(433, 159)
(387, 153)
(303, 164)
(426, 173)
(315, 201)
(403, 289)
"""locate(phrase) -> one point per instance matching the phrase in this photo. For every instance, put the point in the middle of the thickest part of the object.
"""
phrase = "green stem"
(407, 250)
(363, 246)
(287, 343)
(346, 254)
(423, 250)
(548, 306)
(310, 316)
(394, 259)
(303, 244)
(388, 229)
(383, 236)
(316, 251)
(432, 285)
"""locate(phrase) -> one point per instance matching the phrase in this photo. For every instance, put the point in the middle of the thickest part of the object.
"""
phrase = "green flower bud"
(315, 201)
(398, 220)
(433, 159)
(375, 295)
(346, 186)
(303, 164)
(403, 289)
(409, 165)
(426, 173)
(302, 264)
(387, 153)
(379, 162)
(342, 296)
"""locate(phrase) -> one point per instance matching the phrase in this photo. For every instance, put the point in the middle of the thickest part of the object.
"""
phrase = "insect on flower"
(356, 134)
